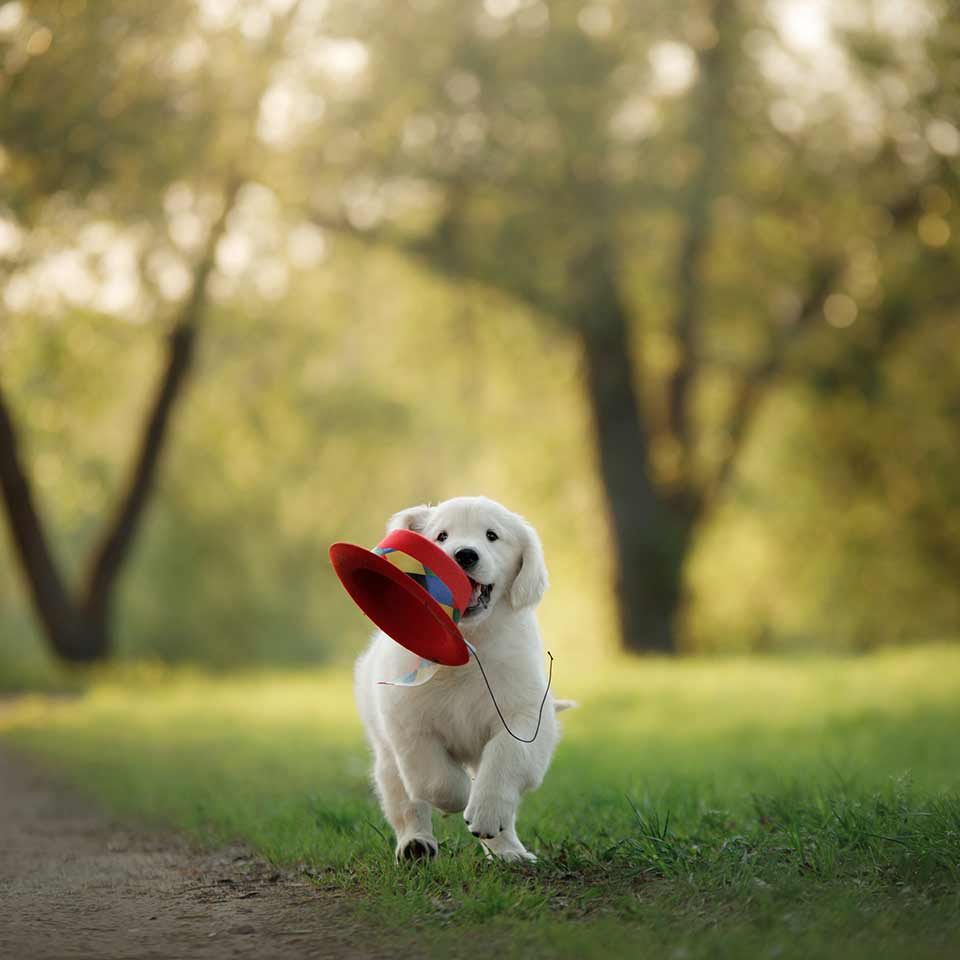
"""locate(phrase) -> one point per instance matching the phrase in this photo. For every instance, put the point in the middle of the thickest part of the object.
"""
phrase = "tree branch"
(114, 546)
(117, 540)
(707, 130)
(826, 274)
(746, 402)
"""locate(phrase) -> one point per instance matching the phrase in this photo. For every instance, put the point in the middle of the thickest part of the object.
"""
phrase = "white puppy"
(442, 744)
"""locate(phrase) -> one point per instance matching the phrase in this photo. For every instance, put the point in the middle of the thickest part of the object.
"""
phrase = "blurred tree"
(79, 629)
(704, 205)
(85, 88)
(603, 163)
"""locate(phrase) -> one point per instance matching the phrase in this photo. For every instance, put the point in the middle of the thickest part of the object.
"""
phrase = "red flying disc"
(411, 590)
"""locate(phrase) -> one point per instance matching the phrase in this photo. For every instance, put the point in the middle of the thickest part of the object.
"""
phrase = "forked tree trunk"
(78, 628)
(650, 543)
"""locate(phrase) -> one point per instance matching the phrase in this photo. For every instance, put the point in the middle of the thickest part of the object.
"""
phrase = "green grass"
(703, 808)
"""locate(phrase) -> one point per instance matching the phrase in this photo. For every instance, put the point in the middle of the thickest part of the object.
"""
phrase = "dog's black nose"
(467, 558)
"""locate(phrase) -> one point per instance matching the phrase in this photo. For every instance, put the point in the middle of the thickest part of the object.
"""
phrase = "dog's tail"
(560, 705)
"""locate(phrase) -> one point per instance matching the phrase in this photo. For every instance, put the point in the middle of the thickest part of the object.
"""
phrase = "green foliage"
(84, 95)
(721, 808)
(332, 427)
(461, 155)
(851, 508)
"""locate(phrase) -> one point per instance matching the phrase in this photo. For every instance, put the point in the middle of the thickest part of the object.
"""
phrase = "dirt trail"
(75, 884)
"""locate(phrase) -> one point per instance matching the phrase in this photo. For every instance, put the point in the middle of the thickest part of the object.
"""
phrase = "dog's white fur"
(442, 744)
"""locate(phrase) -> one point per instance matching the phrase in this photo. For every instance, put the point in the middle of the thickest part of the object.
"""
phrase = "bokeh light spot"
(840, 310)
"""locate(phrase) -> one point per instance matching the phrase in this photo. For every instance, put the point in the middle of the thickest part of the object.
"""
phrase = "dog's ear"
(413, 518)
(531, 580)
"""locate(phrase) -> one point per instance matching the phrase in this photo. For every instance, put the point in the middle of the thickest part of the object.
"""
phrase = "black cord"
(483, 673)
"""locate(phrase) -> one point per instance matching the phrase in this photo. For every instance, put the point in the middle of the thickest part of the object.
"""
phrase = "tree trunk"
(650, 541)
(65, 629)
(79, 630)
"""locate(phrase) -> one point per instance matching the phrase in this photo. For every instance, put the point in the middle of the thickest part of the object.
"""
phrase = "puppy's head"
(499, 551)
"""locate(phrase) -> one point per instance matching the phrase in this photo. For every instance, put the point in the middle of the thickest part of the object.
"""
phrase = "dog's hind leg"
(431, 774)
(412, 820)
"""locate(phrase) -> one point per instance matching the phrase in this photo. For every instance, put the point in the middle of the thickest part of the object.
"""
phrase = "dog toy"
(411, 590)
(417, 596)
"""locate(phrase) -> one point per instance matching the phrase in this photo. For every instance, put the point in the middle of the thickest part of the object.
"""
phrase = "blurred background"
(678, 282)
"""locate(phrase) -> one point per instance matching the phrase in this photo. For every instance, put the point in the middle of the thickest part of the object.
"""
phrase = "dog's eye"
(491, 536)
(441, 536)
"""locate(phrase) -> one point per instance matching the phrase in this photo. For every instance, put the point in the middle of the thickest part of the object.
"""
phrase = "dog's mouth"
(479, 598)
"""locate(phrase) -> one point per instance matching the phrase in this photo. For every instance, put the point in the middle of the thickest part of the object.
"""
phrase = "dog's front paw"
(487, 814)
(417, 848)
(511, 854)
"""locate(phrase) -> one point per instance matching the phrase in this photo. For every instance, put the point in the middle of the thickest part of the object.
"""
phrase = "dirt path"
(75, 884)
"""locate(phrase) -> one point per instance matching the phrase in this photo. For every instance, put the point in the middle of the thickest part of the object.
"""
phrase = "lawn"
(698, 808)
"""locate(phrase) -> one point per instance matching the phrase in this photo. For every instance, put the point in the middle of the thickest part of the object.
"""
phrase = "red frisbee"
(411, 590)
